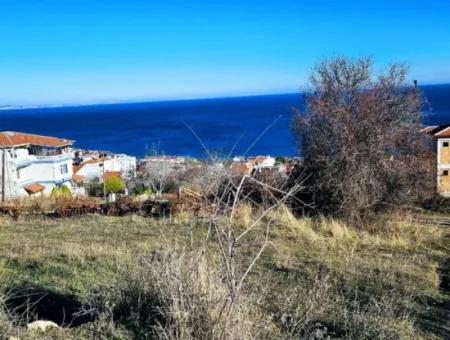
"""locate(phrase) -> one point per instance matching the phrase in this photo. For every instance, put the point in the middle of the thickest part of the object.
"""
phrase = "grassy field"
(316, 279)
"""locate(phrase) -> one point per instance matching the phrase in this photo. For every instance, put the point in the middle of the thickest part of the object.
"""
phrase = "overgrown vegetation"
(360, 136)
(140, 278)
(236, 259)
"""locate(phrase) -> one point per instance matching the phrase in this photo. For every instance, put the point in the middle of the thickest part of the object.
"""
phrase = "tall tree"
(360, 137)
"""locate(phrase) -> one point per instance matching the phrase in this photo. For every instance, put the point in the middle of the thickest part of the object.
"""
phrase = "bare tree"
(205, 290)
(156, 173)
(360, 137)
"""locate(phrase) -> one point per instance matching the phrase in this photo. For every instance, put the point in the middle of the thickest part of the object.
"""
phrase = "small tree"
(62, 191)
(114, 184)
(360, 138)
(281, 160)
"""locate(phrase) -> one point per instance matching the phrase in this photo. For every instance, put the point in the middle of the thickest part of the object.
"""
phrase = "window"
(445, 173)
(445, 144)
(63, 168)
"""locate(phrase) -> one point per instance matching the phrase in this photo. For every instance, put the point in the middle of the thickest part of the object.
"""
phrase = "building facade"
(33, 165)
(441, 145)
(94, 169)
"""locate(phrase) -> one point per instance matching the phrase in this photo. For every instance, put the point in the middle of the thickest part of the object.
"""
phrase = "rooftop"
(34, 188)
(109, 174)
(12, 138)
(77, 168)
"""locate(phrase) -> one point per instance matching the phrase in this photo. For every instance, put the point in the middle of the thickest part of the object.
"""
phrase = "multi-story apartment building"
(32, 164)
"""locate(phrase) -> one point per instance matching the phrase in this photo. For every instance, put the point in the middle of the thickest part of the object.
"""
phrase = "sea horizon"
(227, 125)
(12, 107)
(7, 107)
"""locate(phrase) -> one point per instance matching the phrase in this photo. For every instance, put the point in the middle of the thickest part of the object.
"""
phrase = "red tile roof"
(77, 178)
(241, 168)
(77, 168)
(96, 160)
(109, 174)
(11, 138)
(429, 129)
(33, 188)
(441, 131)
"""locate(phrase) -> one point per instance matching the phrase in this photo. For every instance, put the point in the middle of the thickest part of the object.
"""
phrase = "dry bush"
(210, 177)
(48, 204)
(360, 137)
(205, 291)
(195, 299)
(6, 326)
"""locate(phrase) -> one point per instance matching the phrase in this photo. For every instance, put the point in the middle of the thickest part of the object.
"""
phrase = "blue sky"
(83, 51)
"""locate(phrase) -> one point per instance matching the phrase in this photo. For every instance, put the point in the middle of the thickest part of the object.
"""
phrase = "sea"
(253, 125)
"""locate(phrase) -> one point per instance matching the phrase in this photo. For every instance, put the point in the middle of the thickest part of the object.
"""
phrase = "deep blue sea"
(223, 124)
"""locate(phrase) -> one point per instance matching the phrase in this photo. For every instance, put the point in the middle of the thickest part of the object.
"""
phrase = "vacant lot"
(317, 278)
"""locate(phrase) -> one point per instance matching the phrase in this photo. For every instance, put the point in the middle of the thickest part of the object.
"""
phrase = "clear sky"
(81, 51)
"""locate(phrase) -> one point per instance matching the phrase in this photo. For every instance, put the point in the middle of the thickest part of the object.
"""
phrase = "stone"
(42, 325)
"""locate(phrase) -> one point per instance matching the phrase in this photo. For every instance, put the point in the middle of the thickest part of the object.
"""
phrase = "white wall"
(92, 171)
(22, 169)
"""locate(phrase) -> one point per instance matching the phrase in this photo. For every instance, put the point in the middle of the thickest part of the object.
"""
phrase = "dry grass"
(149, 278)
(379, 281)
(36, 205)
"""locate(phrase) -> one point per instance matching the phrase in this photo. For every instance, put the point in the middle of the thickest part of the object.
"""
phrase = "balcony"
(53, 158)
(49, 158)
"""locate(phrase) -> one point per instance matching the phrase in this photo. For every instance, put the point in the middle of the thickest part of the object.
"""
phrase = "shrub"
(62, 191)
(114, 184)
(147, 192)
(194, 298)
(281, 160)
(360, 138)
(94, 189)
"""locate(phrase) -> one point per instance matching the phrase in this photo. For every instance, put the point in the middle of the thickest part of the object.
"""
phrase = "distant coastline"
(140, 101)
(220, 122)
(7, 107)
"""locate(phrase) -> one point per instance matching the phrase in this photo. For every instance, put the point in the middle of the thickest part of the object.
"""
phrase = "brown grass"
(146, 277)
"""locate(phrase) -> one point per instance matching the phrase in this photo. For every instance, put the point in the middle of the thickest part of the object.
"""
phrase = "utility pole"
(3, 175)
(103, 175)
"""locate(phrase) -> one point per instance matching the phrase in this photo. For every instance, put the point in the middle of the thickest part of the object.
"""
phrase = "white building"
(95, 169)
(33, 165)
(260, 162)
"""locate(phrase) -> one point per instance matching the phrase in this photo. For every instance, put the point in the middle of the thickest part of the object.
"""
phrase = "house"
(96, 169)
(241, 168)
(32, 165)
(260, 162)
(441, 143)
(252, 165)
